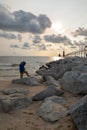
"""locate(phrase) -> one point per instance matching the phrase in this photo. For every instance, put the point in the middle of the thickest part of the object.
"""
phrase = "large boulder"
(50, 91)
(9, 91)
(53, 109)
(31, 81)
(49, 80)
(14, 101)
(81, 68)
(74, 82)
(14, 98)
(79, 113)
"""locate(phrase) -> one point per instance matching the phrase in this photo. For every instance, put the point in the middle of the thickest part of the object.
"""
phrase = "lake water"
(9, 65)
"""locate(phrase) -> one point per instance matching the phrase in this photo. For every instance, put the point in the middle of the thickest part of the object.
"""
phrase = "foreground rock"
(49, 80)
(15, 90)
(79, 113)
(31, 81)
(50, 91)
(14, 99)
(52, 109)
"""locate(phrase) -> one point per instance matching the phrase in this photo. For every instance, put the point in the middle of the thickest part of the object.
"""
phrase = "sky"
(42, 27)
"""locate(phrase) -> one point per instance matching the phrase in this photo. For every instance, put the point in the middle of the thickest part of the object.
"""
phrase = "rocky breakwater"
(71, 74)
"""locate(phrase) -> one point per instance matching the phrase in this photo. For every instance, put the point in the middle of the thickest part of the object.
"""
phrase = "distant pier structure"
(80, 53)
(63, 54)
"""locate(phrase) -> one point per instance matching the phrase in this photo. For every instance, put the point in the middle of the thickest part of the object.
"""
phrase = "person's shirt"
(21, 66)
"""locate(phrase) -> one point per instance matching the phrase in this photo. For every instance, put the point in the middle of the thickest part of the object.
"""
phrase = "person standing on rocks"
(22, 69)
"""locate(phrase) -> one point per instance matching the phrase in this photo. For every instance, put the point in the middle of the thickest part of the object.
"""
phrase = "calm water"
(9, 65)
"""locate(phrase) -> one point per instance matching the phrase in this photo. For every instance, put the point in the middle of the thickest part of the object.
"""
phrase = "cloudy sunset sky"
(42, 27)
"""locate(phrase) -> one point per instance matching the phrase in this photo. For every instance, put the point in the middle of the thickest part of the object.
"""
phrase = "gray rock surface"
(14, 98)
(52, 109)
(49, 80)
(56, 69)
(79, 113)
(15, 90)
(31, 81)
(74, 82)
(50, 91)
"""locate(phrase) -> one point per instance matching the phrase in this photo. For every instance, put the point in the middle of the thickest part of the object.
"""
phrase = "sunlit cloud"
(80, 32)
(22, 21)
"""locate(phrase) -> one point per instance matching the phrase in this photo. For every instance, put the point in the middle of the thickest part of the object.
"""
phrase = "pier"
(80, 53)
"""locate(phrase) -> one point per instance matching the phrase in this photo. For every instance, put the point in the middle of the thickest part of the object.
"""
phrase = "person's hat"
(24, 62)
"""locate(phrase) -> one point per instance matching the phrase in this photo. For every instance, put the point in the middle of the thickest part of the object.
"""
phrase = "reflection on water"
(57, 58)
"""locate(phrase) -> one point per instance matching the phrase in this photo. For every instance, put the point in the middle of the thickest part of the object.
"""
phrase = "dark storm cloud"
(80, 32)
(37, 39)
(57, 39)
(21, 21)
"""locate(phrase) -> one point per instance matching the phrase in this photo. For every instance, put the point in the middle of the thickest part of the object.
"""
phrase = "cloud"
(19, 37)
(79, 44)
(80, 32)
(26, 45)
(21, 21)
(57, 39)
(10, 36)
(37, 43)
(37, 39)
(42, 47)
(14, 46)
(85, 38)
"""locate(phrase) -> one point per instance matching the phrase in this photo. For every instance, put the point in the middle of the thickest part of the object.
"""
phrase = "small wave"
(7, 69)
(8, 75)
(15, 65)
(9, 65)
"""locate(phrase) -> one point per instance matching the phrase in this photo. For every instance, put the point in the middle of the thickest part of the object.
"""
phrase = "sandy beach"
(27, 118)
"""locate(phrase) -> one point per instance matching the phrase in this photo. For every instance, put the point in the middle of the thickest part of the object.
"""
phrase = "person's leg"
(21, 75)
(26, 73)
